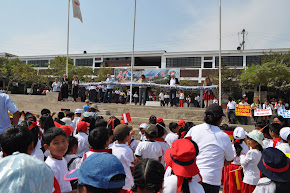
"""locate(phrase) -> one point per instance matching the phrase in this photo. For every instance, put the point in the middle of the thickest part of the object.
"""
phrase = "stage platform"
(139, 114)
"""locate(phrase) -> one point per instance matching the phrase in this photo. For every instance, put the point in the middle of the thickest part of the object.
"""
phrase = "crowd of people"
(82, 152)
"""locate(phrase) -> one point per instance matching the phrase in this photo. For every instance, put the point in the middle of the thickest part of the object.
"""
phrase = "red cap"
(82, 126)
(181, 157)
(160, 120)
(181, 123)
(67, 129)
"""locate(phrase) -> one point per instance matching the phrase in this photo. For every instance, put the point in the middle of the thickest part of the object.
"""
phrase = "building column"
(163, 62)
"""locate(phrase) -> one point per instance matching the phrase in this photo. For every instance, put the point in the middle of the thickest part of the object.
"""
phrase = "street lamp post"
(220, 52)
(133, 58)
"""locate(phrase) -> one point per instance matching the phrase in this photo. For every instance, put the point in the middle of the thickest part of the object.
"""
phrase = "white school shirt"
(75, 82)
(170, 138)
(266, 143)
(172, 82)
(59, 168)
(197, 98)
(166, 96)
(244, 151)
(268, 106)
(284, 147)
(265, 185)
(149, 149)
(76, 163)
(164, 147)
(117, 92)
(83, 143)
(133, 144)
(37, 152)
(56, 87)
(245, 103)
(126, 156)
(214, 148)
(75, 123)
(181, 96)
(170, 185)
(280, 107)
(135, 95)
(271, 143)
(231, 105)
(142, 136)
(250, 168)
(161, 96)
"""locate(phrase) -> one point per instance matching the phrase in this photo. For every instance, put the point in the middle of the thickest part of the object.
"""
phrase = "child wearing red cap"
(82, 136)
(181, 159)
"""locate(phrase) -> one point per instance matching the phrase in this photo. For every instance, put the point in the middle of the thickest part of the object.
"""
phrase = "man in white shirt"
(161, 98)
(231, 109)
(172, 95)
(215, 148)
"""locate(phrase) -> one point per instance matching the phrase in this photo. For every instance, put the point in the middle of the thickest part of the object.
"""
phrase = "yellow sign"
(243, 110)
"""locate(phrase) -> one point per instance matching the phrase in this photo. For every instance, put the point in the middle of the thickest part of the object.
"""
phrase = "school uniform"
(149, 149)
(83, 143)
(231, 110)
(164, 147)
(181, 98)
(170, 138)
(166, 99)
(133, 144)
(265, 185)
(92, 93)
(126, 156)
(172, 93)
(59, 168)
(161, 97)
(284, 147)
(275, 142)
(73, 161)
(93, 151)
(142, 137)
(170, 185)
(37, 152)
(135, 96)
(251, 170)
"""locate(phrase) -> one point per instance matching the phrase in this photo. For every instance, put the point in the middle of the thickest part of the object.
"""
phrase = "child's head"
(275, 130)
(285, 133)
(122, 133)
(161, 130)
(259, 125)
(16, 138)
(82, 127)
(78, 112)
(45, 112)
(279, 119)
(255, 139)
(70, 115)
(46, 122)
(99, 138)
(31, 124)
(72, 145)
(151, 132)
(152, 119)
(173, 126)
(55, 140)
(239, 136)
(142, 128)
(101, 172)
(87, 102)
(213, 115)
(148, 176)
(160, 121)
(181, 123)
(266, 132)
(101, 123)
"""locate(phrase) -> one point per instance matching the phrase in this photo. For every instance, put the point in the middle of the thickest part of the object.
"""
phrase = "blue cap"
(23, 173)
(98, 170)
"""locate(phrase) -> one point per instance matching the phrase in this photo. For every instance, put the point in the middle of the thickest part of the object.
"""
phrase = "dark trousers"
(162, 103)
(75, 93)
(142, 95)
(135, 100)
(210, 188)
(232, 111)
(92, 95)
(172, 96)
(108, 92)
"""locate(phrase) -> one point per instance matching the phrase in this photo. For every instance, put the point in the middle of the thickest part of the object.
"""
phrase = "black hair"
(224, 127)
(98, 137)
(275, 127)
(101, 123)
(45, 112)
(72, 141)
(266, 130)
(212, 118)
(153, 135)
(15, 138)
(60, 115)
(288, 138)
(112, 124)
(148, 175)
(152, 119)
(188, 125)
(238, 146)
(160, 130)
(230, 99)
(260, 148)
(70, 114)
(282, 187)
(92, 189)
(260, 124)
(47, 121)
(91, 121)
(31, 122)
(280, 118)
(173, 125)
(185, 129)
(51, 133)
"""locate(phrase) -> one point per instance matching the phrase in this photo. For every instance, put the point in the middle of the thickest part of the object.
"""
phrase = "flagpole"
(220, 52)
(67, 48)
(133, 58)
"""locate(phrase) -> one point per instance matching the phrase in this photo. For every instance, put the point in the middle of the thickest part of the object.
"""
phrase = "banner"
(152, 85)
(284, 113)
(155, 74)
(77, 10)
(263, 112)
(243, 110)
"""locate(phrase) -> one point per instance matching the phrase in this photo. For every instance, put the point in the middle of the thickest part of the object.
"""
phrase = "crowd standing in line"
(91, 154)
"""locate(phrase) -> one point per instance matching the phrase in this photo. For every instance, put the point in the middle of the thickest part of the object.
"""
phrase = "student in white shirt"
(188, 101)
(117, 95)
(173, 135)
(285, 135)
(166, 99)
(280, 105)
(215, 148)
(161, 98)
(73, 161)
(149, 148)
(123, 152)
(172, 95)
(135, 96)
(267, 105)
(77, 118)
(82, 136)
(250, 160)
(55, 140)
(142, 132)
(232, 174)
(231, 109)
(274, 130)
(181, 99)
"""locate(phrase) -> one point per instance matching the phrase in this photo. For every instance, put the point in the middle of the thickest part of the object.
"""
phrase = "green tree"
(102, 74)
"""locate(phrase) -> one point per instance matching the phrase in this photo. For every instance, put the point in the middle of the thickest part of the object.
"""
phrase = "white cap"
(143, 125)
(78, 111)
(239, 133)
(67, 121)
(284, 133)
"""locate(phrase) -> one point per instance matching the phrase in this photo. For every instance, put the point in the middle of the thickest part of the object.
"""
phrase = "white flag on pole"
(77, 10)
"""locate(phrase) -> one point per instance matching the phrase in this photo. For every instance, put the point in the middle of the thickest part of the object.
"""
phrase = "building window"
(230, 60)
(184, 62)
(256, 60)
(207, 64)
(84, 62)
(38, 63)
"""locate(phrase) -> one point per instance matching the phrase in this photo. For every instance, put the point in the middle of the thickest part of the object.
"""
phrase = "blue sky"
(38, 27)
